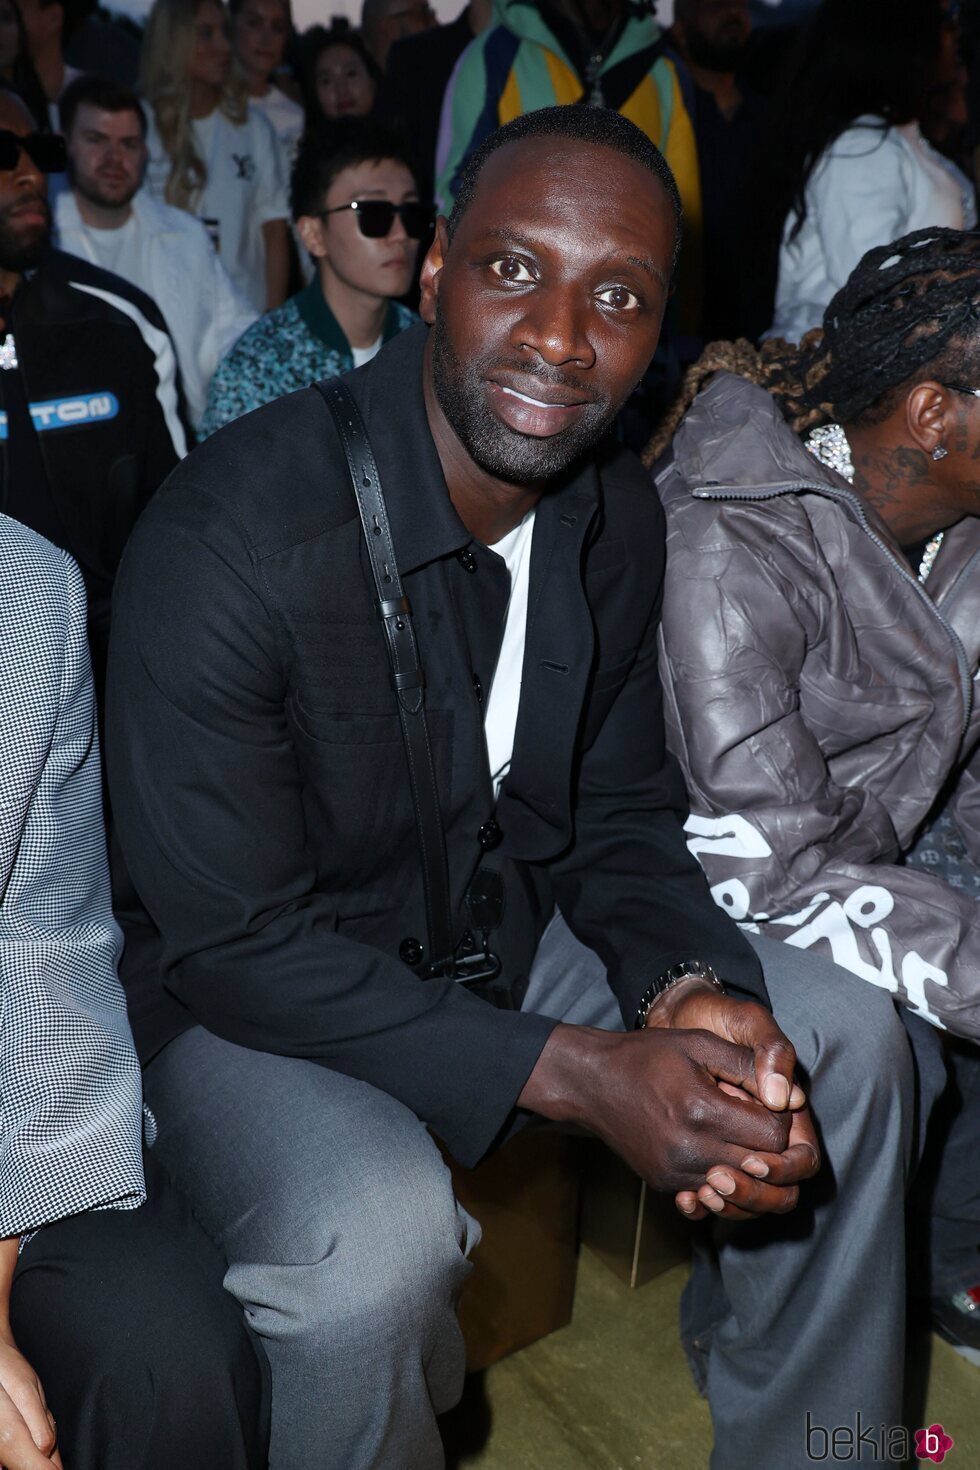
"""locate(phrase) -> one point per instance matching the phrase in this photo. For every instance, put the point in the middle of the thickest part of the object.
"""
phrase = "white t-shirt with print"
(247, 182)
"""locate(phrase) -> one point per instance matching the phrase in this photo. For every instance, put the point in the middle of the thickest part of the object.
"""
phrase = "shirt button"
(411, 951)
(478, 687)
(466, 560)
(490, 835)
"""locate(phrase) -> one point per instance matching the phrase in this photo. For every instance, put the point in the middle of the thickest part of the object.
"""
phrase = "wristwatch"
(683, 970)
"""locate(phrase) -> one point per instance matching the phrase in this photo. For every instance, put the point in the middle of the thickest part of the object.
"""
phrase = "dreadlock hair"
(778, 366)
(906, 307)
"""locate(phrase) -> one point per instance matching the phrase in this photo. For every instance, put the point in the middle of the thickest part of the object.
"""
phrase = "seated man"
(820, 643)
(92, 419)
(356, 208)
(116, 1306)
(107, 218)
(312, 1019)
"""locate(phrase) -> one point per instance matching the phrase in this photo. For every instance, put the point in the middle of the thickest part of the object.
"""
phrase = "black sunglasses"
(45, 150)
(375, 217)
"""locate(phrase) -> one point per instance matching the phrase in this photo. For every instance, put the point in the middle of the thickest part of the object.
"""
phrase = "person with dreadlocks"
(820, 640)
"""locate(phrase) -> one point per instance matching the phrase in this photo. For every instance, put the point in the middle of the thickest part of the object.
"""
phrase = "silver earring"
(940, 452)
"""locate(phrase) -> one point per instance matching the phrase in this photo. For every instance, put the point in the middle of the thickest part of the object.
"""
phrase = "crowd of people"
(489, 625)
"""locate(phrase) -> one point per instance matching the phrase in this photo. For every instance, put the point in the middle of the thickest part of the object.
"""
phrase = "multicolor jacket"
(518, 65)
(288, 348)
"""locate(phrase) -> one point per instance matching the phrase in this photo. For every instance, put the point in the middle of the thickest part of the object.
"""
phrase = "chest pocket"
(340, 670)
(356, 790)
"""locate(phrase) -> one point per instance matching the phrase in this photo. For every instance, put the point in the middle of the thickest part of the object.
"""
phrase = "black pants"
(145, 1359)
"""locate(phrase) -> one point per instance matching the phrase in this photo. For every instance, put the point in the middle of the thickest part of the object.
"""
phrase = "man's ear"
(929, 415)
(435, 259)
(311, 231)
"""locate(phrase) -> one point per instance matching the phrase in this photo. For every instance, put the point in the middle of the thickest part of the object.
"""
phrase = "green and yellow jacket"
(519, 64)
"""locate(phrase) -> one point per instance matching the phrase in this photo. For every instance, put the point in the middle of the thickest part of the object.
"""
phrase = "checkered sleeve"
(69, 1081)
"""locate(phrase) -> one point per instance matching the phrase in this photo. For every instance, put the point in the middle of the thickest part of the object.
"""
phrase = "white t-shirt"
(246, 187)
(872, 185)
(286, 116)
(119, 251)
(361, 355)
(503, 702)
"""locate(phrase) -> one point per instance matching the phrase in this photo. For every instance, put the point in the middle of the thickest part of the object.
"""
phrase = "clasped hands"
(759, 1112)
(703, 1103)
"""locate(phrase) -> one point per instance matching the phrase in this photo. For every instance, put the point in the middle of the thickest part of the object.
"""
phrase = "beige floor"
(611, 1391)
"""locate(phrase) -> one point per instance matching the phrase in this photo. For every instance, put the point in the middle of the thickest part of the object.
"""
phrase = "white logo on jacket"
(837, 922)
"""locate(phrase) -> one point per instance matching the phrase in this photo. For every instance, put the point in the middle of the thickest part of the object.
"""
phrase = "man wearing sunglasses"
(356, 207)
(92, 413)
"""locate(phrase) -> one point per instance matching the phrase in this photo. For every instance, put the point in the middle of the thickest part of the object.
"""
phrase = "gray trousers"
(348, 1251)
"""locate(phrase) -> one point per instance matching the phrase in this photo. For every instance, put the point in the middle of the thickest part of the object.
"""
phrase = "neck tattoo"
(829, 445)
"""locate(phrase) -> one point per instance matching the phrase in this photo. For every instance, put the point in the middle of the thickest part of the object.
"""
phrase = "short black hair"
(100, 92)
(600, 126)
(330, 148)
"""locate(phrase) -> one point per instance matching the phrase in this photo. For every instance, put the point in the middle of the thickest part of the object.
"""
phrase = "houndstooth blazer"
(69, 1080)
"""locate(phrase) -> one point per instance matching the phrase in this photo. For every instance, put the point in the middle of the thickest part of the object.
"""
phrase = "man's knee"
(828, 1008)
(383, 1260)
(849, 1037)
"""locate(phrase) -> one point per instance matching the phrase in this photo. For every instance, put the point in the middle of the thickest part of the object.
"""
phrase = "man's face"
(106, 155)
(546, 307)
(716, 34)
(381, 267)
(25, 218)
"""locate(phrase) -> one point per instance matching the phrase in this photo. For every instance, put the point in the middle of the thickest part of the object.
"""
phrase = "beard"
(21, 249)
(722, 55)
(95, 193)
(517, 459)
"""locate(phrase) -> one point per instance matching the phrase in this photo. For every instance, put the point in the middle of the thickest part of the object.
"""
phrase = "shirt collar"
(320, 320)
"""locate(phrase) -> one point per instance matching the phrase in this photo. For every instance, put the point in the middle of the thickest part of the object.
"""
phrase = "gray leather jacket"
(819, 700)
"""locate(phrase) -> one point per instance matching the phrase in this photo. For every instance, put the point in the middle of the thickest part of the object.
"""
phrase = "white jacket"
(180, 271)
(873, 184)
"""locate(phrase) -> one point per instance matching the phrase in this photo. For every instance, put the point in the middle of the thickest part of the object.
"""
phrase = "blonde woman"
(210, 152)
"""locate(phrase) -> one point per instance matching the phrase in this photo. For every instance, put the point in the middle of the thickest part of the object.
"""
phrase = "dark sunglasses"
(45, 150)
(375, 217)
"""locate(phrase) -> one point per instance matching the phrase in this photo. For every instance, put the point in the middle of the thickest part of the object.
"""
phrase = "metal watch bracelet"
(683, 970)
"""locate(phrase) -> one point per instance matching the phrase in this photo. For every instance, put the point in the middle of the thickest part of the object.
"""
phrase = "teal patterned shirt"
(288, 348)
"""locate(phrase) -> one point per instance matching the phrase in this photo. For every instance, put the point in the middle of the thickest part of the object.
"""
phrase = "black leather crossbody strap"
(407, 675)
